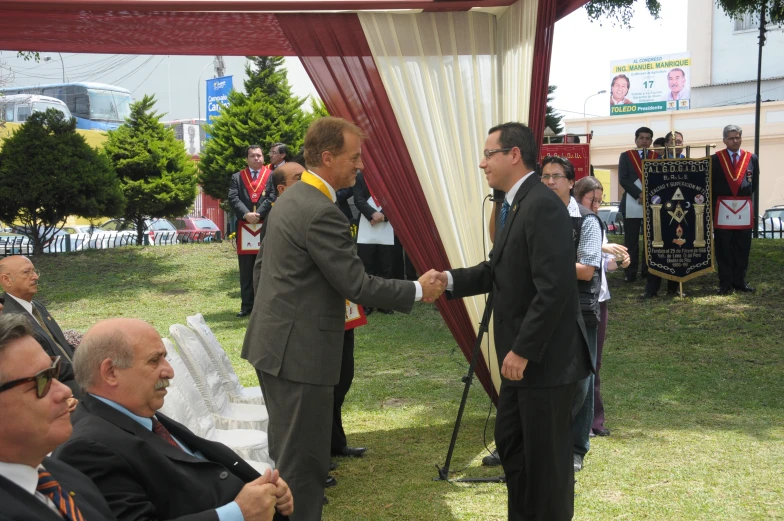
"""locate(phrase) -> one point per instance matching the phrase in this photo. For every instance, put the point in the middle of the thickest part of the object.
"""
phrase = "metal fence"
(13, 244)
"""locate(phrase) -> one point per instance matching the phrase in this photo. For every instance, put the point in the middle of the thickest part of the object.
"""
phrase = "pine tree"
(156, 174)
(48, 172)
(551, 118)
(266, 115)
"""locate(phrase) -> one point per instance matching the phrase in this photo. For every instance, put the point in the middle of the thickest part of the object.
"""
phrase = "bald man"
(147, 465)
(19, 280)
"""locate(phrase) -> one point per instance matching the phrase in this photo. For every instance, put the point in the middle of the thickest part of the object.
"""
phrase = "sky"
(582, 52)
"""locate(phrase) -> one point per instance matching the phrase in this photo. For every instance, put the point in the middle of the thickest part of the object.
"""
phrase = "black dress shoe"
(647, 296)
(331, 482)
(630, 279)
(326, 501)
(368, 311)
(492, 460)
(350, 451)
(386, 311)
(333, 465)
(724, 291)
(243, 313)
(601, 432)
(745, 288)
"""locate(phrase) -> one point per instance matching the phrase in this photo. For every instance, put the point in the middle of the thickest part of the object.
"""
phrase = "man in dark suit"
(735, 175)
(19, 280)
(247, 192)
(296, 331)
(147, 465)
(36, 419)
(540, 337)
(630, 178)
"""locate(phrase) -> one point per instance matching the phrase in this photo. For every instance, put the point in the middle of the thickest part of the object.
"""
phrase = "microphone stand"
(443, 472)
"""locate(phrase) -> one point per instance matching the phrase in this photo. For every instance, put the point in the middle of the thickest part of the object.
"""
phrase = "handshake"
(433, 285)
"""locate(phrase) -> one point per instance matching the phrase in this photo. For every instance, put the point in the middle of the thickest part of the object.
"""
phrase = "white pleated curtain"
(450, 77)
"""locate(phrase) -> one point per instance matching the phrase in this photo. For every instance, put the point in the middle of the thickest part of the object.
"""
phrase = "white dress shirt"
(26, 478)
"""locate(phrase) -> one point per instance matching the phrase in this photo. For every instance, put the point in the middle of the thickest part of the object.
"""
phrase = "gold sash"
(315, 182)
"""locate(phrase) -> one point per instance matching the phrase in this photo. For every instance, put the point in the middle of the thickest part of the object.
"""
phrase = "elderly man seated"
(36, 419)
(146, 465)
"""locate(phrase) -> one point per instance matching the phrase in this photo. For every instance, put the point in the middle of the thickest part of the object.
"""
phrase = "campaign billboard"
(650, 84)
(217, 94)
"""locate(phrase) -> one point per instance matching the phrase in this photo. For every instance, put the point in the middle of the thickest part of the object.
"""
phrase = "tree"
(621, 11)
(266, 115)
(157, 177)
(48, 172)
(551, 118)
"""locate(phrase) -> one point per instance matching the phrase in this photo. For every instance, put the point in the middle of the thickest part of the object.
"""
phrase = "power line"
(145, 79)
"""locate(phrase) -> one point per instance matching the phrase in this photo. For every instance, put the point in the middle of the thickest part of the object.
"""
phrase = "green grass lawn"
(693, 390)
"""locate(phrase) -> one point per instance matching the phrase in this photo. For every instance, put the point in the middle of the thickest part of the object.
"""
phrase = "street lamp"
(591, 96)
(62, 63)
(198, 94)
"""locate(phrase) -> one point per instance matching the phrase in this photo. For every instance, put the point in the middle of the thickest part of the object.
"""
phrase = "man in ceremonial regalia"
(630, 178)
(735, 174)
(246, 194)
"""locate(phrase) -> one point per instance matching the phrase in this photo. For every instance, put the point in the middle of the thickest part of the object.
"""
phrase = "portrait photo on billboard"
(650, 84)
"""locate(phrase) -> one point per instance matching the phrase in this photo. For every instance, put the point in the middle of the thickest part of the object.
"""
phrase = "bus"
(16, 108)
(96, 106)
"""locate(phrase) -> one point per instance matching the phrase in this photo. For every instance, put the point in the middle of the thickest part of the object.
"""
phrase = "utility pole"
(220, 67)
(757, 111)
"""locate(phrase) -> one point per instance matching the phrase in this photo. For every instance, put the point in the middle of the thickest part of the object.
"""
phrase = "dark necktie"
(255, 174)
(63, 501)
(734, 158)
(504, 213)
(159, 430)
(40, 319)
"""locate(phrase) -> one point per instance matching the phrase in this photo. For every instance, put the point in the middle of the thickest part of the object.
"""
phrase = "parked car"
(54, 241)
(119, 232)
(612, 219)
(771, 224)
(15, 244)
(195, 229)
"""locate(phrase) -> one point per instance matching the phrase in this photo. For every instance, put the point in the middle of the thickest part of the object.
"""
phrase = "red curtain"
(543, 50)
(336, 55)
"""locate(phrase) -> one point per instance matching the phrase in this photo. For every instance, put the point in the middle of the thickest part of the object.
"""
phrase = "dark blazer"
(720, 186)
(239, 199)
(361, 196)
(19, 505)
(534, 283)
(308, 271)
(66, 369)
(142, 477)
(627, 175)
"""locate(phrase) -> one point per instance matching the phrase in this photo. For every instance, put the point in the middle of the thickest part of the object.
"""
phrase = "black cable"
(153, 70)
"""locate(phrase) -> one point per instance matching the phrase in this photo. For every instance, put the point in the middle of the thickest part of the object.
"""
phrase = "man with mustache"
(19, 280)
(147, 465)
(35, 420)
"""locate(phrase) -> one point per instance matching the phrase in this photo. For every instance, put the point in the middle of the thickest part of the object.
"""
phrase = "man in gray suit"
(295, 334)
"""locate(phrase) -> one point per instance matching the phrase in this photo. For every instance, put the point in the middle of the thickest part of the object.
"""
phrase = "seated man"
(35, 421)
(146, 465)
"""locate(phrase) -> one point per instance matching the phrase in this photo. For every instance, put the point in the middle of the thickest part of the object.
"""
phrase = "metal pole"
(589, 97)
(198, 95)
(757, 112)
(62, 63)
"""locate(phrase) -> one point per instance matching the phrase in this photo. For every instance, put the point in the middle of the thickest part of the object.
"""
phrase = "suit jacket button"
(223, 475)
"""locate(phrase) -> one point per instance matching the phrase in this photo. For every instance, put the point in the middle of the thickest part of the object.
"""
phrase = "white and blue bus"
(96, 106)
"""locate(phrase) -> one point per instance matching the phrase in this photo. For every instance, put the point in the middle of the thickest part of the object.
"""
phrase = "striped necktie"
(63, 501)
(504, 213)
(40, 319)
(159, 430)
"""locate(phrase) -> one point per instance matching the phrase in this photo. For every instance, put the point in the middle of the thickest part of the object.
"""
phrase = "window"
(747, 22)
(7, 113)
(22, 113)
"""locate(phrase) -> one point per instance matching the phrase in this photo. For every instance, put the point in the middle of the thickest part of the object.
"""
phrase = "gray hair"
(13, 326)
(732, 128)
(96, 348)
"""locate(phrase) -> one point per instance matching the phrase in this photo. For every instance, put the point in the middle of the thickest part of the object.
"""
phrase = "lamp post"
(591, 96)
(198, 93)
(62, 63)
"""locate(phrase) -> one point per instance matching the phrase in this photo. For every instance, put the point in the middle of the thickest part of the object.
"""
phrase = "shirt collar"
(144, 422)
(510, 195)
(329, 186)
(574, 210)
(25, 304)
(21, 475)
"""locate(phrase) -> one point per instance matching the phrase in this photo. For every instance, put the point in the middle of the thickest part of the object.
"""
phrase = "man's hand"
(72, 403)
(432, 285)
(285, 503)
(252, 217)
(257, 499)
(376, 218)
(514, 366)
(614, 249)
(626, 261)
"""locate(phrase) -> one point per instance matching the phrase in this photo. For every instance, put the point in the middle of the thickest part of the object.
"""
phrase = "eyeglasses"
(489, 153)
(43, 379)
(555, 177)
(29, 272)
